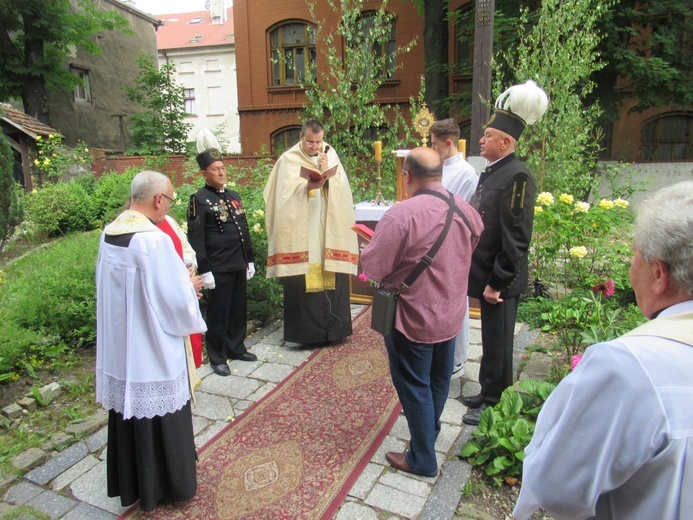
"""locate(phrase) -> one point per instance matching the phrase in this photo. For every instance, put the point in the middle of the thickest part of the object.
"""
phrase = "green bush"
(87, 182)
(112, 194)
(52, 291)
(60, 208)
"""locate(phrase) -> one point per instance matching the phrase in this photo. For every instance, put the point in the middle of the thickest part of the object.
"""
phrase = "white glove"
(208, 279)
(251, 270)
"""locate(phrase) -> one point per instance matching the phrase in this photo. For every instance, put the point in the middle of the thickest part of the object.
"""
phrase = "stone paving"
(72, 485)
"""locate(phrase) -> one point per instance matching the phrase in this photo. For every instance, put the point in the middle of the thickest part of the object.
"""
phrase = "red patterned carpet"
(297, 452)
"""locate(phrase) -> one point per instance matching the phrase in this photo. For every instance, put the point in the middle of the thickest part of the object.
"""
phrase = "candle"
(462, 147)
(378, 148)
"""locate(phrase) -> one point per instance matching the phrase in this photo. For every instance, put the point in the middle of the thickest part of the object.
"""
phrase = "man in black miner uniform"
(504, 198)
(218, 232)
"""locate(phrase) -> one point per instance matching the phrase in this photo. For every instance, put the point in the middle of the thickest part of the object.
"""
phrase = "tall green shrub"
(111, 194)
(560, 54)
(11, 211)
(343, 94)
(160, 127)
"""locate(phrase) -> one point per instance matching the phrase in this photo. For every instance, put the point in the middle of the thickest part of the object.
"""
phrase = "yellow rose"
(545, 198)
(568, 199)
(606, 204)
(36, 162)
(538, 209)
(46, 161)
(86, 149)
(578, 252)
(257, 228)
(582, 207)
(621, 203)
(258, 213)
(50, 136)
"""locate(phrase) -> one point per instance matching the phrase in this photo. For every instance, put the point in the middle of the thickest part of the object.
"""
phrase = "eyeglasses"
(172, 202)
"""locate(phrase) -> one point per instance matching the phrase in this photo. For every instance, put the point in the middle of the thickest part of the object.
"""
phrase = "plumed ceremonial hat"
(207, 157)
(517, 107)
(207, 148)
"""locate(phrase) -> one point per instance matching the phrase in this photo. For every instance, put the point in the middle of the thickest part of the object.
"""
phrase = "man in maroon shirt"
(430, 312)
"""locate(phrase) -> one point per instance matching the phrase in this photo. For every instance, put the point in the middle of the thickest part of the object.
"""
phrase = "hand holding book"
(312, 175)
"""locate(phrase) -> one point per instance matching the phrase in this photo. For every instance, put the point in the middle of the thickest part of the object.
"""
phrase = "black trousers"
(227, 324)
(497, 336)
(151, 460)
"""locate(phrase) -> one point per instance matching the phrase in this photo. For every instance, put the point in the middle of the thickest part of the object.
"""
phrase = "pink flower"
(607, 288)
(575, 361)
(363, 277)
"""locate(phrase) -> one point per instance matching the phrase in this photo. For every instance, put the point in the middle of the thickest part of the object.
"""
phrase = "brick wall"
(176, 166)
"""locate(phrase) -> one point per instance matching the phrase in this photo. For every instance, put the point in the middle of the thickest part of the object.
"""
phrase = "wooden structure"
(21, 131)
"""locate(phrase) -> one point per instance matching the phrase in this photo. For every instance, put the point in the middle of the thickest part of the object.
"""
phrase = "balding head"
(423, 163)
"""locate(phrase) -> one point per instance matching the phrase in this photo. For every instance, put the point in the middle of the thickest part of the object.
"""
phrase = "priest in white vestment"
(311, 246)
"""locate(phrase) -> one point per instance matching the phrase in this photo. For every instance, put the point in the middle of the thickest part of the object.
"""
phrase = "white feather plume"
(206, 140)
(527, 101)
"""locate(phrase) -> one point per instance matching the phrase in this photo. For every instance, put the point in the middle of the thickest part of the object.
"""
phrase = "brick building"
(270, 100)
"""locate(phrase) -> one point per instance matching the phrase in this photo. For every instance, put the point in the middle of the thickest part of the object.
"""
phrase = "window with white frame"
(82, 91)
(189, 97)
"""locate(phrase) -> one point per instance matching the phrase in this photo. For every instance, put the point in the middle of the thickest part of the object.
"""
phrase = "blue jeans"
(421, 375)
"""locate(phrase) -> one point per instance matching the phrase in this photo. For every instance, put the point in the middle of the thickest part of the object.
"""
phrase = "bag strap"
(428, 258)
(457, 209)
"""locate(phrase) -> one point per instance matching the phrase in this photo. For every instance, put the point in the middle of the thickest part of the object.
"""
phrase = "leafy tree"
(160, 128)
(436, 56)
(11, 212)
(646, 48)
(343, 94)
(658, 70)
(559, 53)
(35, 38)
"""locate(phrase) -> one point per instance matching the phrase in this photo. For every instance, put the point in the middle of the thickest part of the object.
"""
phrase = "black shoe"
(221, 369)
(248, 356)
(473, 416)
(473, 401)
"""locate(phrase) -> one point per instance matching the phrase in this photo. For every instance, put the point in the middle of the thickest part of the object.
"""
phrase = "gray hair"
(147, 184)
(664, 231)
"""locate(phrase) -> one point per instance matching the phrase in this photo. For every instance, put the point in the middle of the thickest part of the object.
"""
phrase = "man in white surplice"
(615, 438)
(146, 304)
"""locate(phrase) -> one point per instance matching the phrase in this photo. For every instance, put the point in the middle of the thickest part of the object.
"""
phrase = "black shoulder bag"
(385, 302)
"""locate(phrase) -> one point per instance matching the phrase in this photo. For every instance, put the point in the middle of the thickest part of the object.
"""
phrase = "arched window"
(283, 139)
(376, 37)
(292, 48)
(668, 138)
